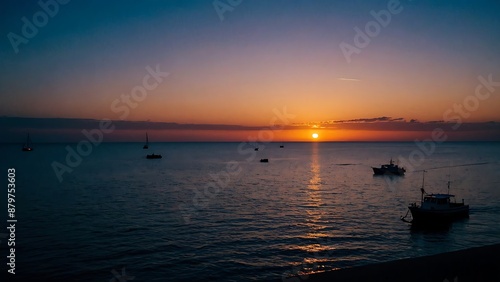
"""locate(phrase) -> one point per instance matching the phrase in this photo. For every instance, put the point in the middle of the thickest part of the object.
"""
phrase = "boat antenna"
(449, 182)
(449, 178)
(423, 182)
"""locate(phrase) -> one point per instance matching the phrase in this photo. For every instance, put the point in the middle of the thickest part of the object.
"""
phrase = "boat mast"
(449, 184)
(422, 189)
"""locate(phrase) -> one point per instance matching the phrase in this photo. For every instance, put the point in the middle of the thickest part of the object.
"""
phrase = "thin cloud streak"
(348, 79)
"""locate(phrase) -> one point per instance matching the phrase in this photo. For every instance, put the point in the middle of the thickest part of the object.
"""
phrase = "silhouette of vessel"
(390, 169)
(146, 146)
(153, 156)
(436, 208)
(27, 146)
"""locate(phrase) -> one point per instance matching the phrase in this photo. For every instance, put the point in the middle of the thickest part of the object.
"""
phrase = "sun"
(315, 135)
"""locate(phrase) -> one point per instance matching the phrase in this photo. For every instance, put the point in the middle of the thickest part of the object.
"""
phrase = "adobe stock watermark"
(455, 279)
(223, 6)
(372, 29)
(221, 179)
(40, 19)
(117, 277)
(455, 115)
(122, 106)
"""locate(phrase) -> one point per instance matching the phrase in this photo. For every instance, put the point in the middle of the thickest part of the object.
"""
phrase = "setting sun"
(315, 135)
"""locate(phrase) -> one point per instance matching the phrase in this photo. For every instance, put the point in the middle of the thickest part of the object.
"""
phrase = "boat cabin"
(438, 201)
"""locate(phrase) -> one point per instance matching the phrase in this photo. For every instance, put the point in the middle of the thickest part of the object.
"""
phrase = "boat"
(436, 208)
(146, 146)
(27, 146)
(389, 169)
(264, 160)
(256, 149)
(153, 156)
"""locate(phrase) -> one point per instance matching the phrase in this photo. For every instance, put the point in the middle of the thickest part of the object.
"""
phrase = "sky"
(227, 70)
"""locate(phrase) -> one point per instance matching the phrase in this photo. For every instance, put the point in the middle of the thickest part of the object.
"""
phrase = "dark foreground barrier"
(475, 264)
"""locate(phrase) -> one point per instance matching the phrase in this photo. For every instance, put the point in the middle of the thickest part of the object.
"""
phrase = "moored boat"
(436, 208)
(153, 156)
(389, 169)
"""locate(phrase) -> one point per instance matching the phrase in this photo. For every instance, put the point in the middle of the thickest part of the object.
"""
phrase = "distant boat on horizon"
(146, 146)
(27, 146)
(153, 156)
(389, 169)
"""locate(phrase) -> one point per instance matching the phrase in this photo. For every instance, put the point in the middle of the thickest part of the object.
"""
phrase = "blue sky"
(262, 55)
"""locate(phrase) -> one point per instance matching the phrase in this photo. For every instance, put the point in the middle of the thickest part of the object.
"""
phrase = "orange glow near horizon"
(289, 135)
(263, 135)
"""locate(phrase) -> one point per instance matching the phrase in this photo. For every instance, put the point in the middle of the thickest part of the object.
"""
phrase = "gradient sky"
(263, 56)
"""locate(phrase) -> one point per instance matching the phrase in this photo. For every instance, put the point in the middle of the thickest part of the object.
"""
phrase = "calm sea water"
(208, 211)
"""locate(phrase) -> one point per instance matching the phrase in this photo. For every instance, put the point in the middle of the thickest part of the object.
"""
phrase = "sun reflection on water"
(318, 251)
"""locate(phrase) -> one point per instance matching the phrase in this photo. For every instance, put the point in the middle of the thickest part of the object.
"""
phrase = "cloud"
(358, 120)
(69, 123)
(367, 120)
(14, 129)
(348, 79)
(66, 130)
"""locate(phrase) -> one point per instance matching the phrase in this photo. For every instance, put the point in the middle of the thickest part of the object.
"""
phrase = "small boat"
(264, 160)
(153, 156)
(389, 169)
(146, 146)
(436, 208)
(27, 146)
(256, 149)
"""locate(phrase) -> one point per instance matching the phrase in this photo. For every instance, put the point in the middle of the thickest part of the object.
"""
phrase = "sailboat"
(146, 146)
(153, 155)
(27, 146)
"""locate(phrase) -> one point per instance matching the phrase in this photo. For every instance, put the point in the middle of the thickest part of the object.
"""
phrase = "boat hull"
(379, 171)
(153, 157)
(420, 215)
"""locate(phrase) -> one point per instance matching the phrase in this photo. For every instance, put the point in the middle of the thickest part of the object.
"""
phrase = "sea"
(214, 212)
